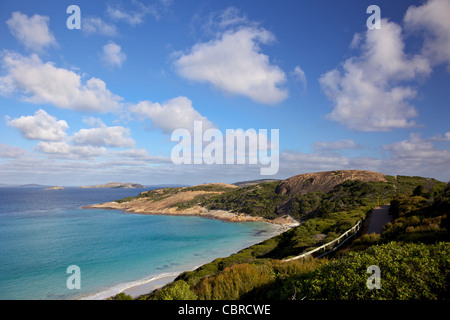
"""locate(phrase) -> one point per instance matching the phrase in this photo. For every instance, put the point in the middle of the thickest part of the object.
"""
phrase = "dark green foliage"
(418, 219)
(411, 271)
(178, 290)
(257, 200)
(414, 261)
(121, 296)
(233, 282)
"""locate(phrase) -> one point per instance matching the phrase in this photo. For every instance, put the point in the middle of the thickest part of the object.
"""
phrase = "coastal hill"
(177, 201)
(325, 181)
(253, 182)
(328, 205)
(282, 202)
(116, 185)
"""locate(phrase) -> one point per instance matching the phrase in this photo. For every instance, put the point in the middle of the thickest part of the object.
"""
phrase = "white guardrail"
(353, 230)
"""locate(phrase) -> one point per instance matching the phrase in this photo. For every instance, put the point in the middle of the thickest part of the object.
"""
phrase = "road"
(378, 218)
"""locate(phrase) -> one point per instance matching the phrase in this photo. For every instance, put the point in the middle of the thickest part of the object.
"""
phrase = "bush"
(178, 290)
(233, 282)
(408, 271)
(121, 296)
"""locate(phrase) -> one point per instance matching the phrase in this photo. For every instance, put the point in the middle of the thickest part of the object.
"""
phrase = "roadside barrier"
(331, 245)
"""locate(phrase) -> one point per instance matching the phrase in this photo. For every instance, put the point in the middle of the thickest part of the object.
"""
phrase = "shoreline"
(153, 282)
(134, 288)
(285, 222)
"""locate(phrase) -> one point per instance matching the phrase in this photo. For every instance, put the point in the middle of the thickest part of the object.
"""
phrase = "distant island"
(116, 185)
(55, 188)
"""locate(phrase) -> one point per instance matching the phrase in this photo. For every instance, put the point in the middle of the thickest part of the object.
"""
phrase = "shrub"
(121, 296)
(178, 290)
(408, 271)
(233, 282)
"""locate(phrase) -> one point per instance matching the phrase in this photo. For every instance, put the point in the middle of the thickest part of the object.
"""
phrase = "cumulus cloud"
(40, 83)
(174, 114)
(41, 126)
(234, 63)
(368, 93)
(432, 18)
(32, 32)
(104, 136)
(112, 55)
(61, 149)
(95, 25)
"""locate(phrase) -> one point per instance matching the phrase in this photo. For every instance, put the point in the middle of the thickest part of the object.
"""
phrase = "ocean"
(43, 232)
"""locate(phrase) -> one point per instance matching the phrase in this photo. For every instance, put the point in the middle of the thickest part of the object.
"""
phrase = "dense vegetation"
(263, 200)
(413, 251)
(163, 193)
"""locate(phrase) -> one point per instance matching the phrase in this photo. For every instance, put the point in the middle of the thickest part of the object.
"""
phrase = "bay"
(42, 232)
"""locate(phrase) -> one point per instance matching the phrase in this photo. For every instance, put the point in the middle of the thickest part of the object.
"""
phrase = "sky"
(100, 103)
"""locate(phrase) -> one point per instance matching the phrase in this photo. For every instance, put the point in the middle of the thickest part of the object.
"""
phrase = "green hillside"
(415, 244)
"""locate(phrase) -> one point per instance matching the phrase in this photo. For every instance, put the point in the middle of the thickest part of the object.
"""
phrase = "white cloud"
(293, 163)
(42, 83)
(412, 156)
(142, 155)
(417, 156)
(440, 137)
(12, 152)
(112, 55)
(104, 136)
(368, 94)
(299, 74)
(174, 114)
(94, 122)
(41, 126)
(33, 31)
(221, 20)
(336, 145)
(61, 149)
(433, 18)
(92, 25)
(234, 63)
(136, 15)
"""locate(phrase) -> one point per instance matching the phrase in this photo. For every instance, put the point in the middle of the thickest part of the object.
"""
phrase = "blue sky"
(99, 104)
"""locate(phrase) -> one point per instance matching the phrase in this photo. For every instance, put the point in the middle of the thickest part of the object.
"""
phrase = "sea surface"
(43, 232)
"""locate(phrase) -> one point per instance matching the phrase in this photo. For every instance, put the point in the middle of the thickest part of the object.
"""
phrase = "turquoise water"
(43, 232)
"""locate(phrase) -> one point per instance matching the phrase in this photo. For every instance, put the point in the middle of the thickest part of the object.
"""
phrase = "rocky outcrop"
(325, 181)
